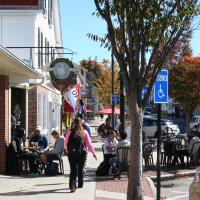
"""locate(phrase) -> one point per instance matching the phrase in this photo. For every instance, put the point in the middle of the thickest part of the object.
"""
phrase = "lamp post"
(113, 90)
(122, 104)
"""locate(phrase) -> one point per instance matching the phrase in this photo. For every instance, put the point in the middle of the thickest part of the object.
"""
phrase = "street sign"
(161, 88)
(115, 99)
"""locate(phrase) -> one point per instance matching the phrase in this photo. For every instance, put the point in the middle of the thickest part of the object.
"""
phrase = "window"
(44, 7)
(50, 115)
(152, 122)
(42, 106)
(46, 51)
(41, 53)
(145, 122)
(48, 57)
(39, 111)
(50, 9)
(39, 60)
(44, 112)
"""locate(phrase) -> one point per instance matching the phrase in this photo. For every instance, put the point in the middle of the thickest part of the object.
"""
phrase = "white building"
(31, 30)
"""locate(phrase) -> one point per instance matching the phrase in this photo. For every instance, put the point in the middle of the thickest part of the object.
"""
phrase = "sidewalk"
(110, 189)
(49, 188)
(56, 188)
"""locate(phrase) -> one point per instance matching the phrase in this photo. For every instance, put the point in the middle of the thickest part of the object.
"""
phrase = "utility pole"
(113, 90)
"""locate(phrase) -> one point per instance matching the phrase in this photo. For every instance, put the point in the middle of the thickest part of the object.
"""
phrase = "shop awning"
(9, 63)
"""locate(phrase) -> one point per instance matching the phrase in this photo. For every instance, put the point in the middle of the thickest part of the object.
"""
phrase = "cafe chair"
(123, 160)
(61, 165)
(148, 155)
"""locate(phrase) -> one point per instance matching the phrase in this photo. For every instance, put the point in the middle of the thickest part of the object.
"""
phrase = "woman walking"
(75, 144)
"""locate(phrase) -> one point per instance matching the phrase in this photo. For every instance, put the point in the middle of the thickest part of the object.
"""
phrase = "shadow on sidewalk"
(32, 193)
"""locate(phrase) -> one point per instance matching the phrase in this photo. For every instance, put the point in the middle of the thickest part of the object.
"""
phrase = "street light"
(122, 104)
(113, 89)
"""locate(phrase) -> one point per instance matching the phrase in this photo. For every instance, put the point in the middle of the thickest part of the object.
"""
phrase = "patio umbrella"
(88, 111)
(108, 111)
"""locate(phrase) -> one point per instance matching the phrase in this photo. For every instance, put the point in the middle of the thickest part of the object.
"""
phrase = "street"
(176, 189)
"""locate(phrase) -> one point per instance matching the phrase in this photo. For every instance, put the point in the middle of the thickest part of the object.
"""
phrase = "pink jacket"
(87, 142)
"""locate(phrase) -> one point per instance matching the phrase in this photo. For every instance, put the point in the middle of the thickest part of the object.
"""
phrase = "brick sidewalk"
(109, 189)
(118, 187)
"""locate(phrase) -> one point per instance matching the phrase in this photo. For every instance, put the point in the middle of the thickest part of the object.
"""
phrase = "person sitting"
(109, 145)
(40, 139)
(48, 156)
(15, 151)
(122, 143)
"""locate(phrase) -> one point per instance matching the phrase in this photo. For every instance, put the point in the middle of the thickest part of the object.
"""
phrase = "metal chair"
(61, 165)
(123, 160)
(148, 155)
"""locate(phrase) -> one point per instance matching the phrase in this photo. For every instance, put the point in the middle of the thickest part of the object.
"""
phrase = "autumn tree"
(102, 79)
(185, 85)
(136, 30)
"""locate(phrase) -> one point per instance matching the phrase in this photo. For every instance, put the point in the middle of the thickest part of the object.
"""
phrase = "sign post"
(160, 96)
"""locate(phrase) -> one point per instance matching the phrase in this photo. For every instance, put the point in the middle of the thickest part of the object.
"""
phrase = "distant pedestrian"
(86, 126)
(75, 143)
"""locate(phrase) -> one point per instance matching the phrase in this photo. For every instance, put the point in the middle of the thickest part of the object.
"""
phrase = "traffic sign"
(115, 99)
(161, 87)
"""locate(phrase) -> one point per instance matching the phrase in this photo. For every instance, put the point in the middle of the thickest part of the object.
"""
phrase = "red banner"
(19, 3)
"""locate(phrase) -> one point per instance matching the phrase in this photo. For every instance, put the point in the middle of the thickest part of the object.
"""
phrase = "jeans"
(113, 164)
(76, 162)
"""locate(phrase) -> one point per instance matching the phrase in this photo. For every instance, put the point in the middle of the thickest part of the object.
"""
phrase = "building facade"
(30, 38)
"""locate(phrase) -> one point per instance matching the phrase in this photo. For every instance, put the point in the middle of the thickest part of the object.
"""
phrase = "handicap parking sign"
(161, 90)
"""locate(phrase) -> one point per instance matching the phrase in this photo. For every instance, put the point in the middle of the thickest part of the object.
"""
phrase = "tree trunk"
(187, 116)
(135, 169)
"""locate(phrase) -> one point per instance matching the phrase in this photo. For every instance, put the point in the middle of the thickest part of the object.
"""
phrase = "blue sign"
(161, 87)
(115, 99)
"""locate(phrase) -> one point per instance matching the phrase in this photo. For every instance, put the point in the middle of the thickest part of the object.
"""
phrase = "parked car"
(150, 126)
(194, 193)
(195, 121)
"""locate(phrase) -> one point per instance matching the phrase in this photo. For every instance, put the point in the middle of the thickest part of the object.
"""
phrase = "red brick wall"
(32, 110)
(17, 3)
(4, 128)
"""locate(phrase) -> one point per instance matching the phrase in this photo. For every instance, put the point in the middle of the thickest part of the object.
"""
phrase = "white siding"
(17, 31)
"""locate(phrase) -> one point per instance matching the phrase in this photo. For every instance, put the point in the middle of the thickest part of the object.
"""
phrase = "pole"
(122, 104)
(113, 90)
(158, 150)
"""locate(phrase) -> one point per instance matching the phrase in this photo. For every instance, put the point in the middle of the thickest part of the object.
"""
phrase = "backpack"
(52, 169)
(75, 144)
(103, 169)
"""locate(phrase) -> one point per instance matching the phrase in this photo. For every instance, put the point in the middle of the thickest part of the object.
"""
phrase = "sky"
(77, 21)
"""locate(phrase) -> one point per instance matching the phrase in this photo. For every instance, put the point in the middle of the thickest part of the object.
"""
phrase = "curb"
(152, 186)
(152, 179)
(173, 176)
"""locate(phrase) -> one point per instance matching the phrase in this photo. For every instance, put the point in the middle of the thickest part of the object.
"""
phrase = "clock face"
(61, 70)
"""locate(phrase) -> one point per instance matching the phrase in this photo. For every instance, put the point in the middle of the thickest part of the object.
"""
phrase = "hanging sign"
(63, 74)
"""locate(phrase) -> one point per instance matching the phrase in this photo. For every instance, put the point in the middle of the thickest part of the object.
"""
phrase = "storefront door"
(18, 108)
